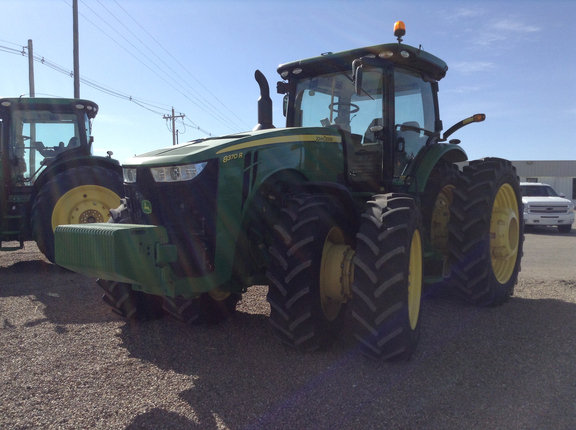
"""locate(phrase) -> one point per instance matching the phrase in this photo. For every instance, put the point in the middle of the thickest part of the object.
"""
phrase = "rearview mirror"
(357, 72)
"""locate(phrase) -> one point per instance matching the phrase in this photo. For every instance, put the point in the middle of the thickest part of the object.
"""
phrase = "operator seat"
(413, 142)
(370, 134)
(74, 142)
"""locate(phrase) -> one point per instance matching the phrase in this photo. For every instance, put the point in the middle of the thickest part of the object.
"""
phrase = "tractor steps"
(14, 223)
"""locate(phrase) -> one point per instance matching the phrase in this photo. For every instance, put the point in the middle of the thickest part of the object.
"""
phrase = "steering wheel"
(406, 127)
(354, 108)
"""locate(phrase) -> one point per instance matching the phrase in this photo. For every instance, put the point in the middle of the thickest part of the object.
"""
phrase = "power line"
(216, 114)
(180, 64)
(207, 103)
(153, 107)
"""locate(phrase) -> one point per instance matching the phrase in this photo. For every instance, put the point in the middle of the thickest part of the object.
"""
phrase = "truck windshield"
(330, 100)
(537, 191)
(37, 138)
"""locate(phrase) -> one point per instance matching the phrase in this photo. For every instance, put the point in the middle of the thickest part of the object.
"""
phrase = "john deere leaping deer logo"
(146, 207)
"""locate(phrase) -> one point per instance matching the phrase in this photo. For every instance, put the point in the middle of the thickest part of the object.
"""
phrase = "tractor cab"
(382, 99)
(37, 132)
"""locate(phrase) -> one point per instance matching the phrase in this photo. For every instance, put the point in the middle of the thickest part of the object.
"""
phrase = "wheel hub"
(90, 216)
(218, 294)
(336, 273)
(504, 233)
(440, 219)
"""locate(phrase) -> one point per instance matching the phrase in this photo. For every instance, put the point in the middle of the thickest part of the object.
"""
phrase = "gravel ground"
(67, 362)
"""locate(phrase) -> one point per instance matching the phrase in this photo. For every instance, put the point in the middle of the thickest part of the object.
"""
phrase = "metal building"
(560, 174)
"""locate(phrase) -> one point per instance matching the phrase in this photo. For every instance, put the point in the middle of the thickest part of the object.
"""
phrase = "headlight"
(177, 173)
(570, 206)
(129, 175)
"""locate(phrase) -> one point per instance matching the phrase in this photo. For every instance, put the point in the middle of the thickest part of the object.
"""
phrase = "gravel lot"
(67, 362)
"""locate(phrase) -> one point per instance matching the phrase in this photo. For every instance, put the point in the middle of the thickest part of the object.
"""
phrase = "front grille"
(188, 212)
(548, 209)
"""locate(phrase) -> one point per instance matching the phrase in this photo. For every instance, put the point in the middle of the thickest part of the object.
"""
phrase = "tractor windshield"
(37, 138)
(330, 100)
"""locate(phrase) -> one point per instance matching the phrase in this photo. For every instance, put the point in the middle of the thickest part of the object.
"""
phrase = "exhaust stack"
(264, 103)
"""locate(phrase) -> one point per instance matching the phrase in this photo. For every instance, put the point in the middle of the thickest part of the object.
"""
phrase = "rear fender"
(428, 159)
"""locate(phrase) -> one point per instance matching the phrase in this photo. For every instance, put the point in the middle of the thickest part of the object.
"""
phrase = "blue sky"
(514, 60)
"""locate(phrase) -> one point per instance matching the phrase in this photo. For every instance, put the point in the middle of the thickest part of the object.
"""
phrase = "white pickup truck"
(542, 206)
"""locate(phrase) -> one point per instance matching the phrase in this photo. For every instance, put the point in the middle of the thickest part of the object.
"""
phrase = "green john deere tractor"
(49, 176)
(351, 211)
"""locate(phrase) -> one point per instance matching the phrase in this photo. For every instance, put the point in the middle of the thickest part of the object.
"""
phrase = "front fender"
(429, 158)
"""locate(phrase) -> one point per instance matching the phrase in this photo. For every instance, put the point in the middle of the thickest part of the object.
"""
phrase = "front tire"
(310, 272)
(76, 196)
(565, 229)
(201, 310)
(387, 286)
(486, 232)
(130, 304)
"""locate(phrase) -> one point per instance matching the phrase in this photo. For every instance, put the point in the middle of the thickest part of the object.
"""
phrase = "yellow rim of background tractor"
(84, 204)
(504, 233)
(415, 279)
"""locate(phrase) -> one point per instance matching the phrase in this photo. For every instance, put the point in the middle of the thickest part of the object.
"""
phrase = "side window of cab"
(414, 115)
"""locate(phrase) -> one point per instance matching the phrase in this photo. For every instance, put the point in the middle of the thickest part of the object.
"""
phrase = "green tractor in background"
(49, 176)
(351, 211)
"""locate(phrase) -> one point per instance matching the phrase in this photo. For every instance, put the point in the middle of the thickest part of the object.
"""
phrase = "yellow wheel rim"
(415, 279)
(84, 204)
(336, 273)
(440, 218)
(504, 233)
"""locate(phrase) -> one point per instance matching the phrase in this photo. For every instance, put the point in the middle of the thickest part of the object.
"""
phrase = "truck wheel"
(202, 310)
(129, 303)
(387, 284)
(76, 196)
(486, 232)
(310, 272)
(565, 228)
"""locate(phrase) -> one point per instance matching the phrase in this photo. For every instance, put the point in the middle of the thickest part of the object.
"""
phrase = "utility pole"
(32, 94)
(76, 53)
(31, 68)
(173, 118)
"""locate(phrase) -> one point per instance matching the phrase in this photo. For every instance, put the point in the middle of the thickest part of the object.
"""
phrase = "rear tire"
(311, 239)
(486, 232)
(436, 201)
(76, 196)
(387, 285)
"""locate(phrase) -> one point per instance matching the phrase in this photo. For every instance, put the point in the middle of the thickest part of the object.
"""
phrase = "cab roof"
(52, 104)
(399, 54)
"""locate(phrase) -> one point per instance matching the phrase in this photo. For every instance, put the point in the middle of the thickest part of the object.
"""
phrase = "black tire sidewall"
(381, 319)
(296, 303)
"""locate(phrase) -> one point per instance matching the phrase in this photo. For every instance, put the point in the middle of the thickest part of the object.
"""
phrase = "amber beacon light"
(399, 30)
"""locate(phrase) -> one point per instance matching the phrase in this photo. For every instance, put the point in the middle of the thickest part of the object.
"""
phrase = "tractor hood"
(217, 147)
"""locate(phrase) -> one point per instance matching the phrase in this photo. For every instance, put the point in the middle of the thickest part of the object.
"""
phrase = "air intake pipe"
(264, 103)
